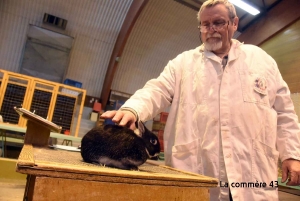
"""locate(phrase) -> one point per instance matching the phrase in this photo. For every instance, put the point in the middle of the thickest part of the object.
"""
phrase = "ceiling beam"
(280, 16)
(130, 19)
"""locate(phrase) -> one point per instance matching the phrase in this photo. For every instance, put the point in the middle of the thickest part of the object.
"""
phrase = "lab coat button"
(228, 155)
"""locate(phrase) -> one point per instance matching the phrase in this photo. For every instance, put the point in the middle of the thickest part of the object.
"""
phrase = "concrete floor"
(13, 190)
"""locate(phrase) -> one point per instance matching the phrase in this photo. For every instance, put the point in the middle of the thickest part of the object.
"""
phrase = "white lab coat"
(242, 119)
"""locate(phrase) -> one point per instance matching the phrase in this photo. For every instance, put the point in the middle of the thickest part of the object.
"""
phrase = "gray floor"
(12, 190)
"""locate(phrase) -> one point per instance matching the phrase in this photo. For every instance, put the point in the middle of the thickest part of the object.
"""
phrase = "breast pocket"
(254, 88)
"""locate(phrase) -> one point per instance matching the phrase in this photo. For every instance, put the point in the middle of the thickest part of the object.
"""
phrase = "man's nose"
(211, 29)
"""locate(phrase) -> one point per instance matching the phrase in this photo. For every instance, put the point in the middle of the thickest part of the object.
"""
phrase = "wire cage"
(14, 91)
(68, 109)
(41, 101)
(59, 103)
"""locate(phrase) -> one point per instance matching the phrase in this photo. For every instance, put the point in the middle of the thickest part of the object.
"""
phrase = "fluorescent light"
(245, 6)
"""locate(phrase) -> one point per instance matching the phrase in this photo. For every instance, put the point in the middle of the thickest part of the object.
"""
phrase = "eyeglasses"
(217, 26)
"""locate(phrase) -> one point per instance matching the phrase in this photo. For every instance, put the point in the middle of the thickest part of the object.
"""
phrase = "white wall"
(164, 29)
(94, 24)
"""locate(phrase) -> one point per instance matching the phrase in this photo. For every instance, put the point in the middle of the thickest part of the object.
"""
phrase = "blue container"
(73, 83)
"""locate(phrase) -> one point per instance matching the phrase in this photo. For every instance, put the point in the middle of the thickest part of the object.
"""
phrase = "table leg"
(3, 142)
(28, 193)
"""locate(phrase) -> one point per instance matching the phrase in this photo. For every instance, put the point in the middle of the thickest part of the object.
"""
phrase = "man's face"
(218, 37)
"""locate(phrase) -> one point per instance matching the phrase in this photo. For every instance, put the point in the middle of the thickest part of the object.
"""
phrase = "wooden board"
(44, 123)
(83, 190)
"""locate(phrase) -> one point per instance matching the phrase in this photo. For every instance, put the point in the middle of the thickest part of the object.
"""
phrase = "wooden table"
(62, 175)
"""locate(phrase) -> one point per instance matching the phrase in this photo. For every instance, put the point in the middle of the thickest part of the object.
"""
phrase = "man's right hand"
(121, 117)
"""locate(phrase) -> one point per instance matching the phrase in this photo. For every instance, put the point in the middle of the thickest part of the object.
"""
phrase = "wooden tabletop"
(68, 164)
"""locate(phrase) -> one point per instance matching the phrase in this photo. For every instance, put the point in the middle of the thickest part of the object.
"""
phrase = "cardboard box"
(94, 116)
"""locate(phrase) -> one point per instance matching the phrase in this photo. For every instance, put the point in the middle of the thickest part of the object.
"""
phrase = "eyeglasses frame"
(213, 26)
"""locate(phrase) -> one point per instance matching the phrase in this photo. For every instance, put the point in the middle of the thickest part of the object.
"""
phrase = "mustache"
(214, 35)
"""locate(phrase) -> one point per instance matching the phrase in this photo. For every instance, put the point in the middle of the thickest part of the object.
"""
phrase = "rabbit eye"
(153, 141)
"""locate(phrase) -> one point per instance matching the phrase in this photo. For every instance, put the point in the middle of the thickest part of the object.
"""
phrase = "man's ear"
(235, 23)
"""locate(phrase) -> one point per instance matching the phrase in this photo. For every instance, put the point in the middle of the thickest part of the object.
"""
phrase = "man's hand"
(291, 171)
(121, 117)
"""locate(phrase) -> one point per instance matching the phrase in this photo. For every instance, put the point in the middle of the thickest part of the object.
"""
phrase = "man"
(231, 115)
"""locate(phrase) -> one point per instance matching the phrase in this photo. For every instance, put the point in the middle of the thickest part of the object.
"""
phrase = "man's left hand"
(291, 172)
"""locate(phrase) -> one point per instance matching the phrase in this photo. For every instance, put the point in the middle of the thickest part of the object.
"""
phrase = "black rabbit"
(119, 147)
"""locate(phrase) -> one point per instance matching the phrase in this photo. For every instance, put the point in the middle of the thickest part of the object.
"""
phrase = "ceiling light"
(245, 6)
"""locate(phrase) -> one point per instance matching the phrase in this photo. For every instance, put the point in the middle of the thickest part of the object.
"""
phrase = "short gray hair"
(210, 3)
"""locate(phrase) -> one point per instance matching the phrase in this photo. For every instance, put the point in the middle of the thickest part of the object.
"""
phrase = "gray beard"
(213, 46)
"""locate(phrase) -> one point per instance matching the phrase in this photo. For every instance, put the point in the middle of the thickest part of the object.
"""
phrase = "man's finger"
(109, 114)
(284, 174)
(127, 119)
(132, 126)
(293, 180)
(118, 117)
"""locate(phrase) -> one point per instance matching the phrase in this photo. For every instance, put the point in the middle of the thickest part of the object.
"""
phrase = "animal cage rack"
(62, 104)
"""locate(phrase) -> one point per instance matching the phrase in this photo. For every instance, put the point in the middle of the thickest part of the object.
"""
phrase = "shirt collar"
(233, 54)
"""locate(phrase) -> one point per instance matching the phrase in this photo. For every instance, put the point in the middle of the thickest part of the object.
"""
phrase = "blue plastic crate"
(73, 83)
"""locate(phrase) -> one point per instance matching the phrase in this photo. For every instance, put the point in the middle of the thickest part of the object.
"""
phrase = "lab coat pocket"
(254, 88)
(187, 156)
(264, 163)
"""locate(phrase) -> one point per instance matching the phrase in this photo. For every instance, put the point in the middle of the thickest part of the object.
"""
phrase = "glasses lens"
(203, 29)
(219, 25)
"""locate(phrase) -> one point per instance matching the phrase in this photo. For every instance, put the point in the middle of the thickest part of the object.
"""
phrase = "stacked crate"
(158, 127)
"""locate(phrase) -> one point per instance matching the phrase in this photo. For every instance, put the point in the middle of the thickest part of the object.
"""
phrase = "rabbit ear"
(140, 128)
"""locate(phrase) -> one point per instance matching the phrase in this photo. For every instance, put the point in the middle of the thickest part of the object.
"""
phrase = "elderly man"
(231, 115)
